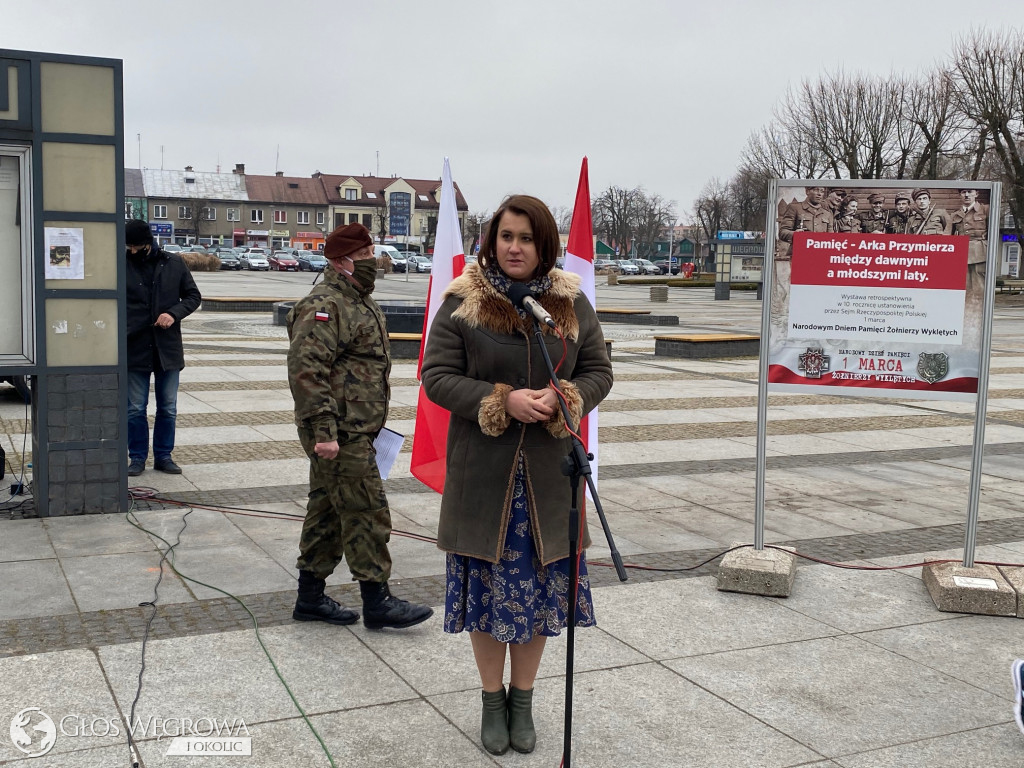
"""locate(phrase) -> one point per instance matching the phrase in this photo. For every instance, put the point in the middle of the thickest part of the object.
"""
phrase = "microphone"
(520, 295)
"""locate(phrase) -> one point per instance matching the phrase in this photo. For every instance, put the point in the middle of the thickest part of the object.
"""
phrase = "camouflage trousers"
(347, 515)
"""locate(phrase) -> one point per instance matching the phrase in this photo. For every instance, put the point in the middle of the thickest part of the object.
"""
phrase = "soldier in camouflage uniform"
(338, 366)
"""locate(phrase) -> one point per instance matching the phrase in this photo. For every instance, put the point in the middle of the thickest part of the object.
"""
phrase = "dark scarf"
(501, 282)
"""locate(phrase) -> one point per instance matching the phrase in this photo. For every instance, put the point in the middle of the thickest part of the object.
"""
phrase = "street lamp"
(671, 231)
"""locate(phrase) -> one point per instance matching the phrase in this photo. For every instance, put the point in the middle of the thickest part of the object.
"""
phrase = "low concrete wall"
(637, 319)
(709, 345)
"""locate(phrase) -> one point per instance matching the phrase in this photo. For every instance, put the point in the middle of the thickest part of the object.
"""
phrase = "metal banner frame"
(981, 397)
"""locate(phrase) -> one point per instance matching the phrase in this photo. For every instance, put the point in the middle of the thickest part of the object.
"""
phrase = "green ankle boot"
(494, 722)
(521, 732)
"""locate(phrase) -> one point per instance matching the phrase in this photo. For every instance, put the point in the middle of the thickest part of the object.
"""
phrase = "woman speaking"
(505, 510)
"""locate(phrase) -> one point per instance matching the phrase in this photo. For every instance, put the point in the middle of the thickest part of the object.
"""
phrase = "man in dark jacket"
(338, 367)
(160, 292)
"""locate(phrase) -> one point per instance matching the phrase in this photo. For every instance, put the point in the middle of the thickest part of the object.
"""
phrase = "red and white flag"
(579, 258)
(429, 441)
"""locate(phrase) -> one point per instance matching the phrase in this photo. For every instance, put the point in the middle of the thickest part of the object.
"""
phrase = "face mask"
(365, 272)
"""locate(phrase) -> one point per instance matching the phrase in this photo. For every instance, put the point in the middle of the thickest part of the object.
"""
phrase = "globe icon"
(33, 732)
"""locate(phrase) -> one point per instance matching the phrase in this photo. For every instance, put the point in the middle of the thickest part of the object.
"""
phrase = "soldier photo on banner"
(879, 287)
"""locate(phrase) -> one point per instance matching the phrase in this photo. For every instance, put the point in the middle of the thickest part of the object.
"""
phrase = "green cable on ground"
(133, 520)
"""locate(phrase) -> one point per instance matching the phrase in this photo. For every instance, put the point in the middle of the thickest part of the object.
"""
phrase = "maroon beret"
(346, 240)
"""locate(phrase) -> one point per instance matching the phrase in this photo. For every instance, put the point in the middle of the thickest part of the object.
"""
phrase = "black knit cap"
(137, 233)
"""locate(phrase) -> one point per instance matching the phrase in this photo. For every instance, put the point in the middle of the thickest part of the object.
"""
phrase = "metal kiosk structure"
(62, 298)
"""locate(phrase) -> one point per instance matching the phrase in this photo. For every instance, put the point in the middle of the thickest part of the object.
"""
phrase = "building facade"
(395, 210)
(239, 209)
(188, 207)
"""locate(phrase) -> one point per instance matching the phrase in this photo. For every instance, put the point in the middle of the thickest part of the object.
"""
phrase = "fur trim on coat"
(556, 425)
(493, 418)
(483, 306)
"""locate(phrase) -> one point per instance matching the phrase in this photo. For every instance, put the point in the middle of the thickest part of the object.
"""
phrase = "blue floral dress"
(516, 598)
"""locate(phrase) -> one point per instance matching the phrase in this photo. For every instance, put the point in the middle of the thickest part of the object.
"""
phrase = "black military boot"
(314, 605)
(382, 609)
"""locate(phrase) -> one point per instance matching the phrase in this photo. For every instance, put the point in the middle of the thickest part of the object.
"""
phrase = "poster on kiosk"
(879, 290)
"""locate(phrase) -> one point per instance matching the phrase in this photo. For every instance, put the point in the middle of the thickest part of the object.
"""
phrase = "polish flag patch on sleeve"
(322, 316)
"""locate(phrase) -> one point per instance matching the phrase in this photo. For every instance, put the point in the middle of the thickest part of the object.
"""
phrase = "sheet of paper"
(387, 445)
(65, 253)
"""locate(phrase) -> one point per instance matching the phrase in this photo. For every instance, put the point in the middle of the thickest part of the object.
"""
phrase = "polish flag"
(579, 258)
(429, 440)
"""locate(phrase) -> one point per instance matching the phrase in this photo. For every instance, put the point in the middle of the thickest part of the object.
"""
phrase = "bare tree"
(476, 227)
(382, 215)
(653, 215)
(988, 70)
(563, 218)
(613, 213)
(630, 218)
(747, 199)
(194, 213)
(711, 209)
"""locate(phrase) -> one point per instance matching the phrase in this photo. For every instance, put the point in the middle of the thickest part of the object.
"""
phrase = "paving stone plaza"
(855, 669)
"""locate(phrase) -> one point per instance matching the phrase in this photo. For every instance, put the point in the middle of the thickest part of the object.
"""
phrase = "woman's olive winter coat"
(478, 350)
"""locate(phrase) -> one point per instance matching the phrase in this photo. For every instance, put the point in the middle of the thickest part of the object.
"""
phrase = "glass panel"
(17, 318)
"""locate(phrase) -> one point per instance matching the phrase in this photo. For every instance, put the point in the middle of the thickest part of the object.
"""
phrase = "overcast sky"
(661, 94)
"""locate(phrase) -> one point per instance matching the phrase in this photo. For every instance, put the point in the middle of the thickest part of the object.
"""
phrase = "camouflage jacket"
(338, 360)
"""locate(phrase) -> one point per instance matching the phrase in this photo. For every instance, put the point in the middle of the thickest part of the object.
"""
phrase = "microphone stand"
(575, 465)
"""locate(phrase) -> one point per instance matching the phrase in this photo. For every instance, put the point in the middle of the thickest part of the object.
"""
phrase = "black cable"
(133, 753)
(133, 520)
(21, 480)
(635, 566)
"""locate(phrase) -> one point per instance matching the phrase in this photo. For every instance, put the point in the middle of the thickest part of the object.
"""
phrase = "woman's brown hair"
(542, 223)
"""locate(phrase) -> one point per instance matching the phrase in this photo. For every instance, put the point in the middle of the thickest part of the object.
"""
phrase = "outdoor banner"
(879, 290)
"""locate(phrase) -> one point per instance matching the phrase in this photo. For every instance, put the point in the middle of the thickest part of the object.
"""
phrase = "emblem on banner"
(814, 362)
(933, 367)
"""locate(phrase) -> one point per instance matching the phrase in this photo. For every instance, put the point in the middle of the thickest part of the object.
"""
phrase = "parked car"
(605, 264)
(229, 260)
(171, 248)
(311, 261)
(197, 248)
(663, 266)
(255, 259)
(283, 261)
(420, 264)
(399, 261)
(646, 267)
(397, 258)
(626, 267)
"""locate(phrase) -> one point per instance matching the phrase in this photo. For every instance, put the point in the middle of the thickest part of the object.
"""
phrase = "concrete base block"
(769, 572)
(981, 589)
(1015, 578)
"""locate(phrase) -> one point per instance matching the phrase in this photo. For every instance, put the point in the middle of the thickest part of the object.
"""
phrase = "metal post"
(671, 232)
(767, 275)
(981, 403)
